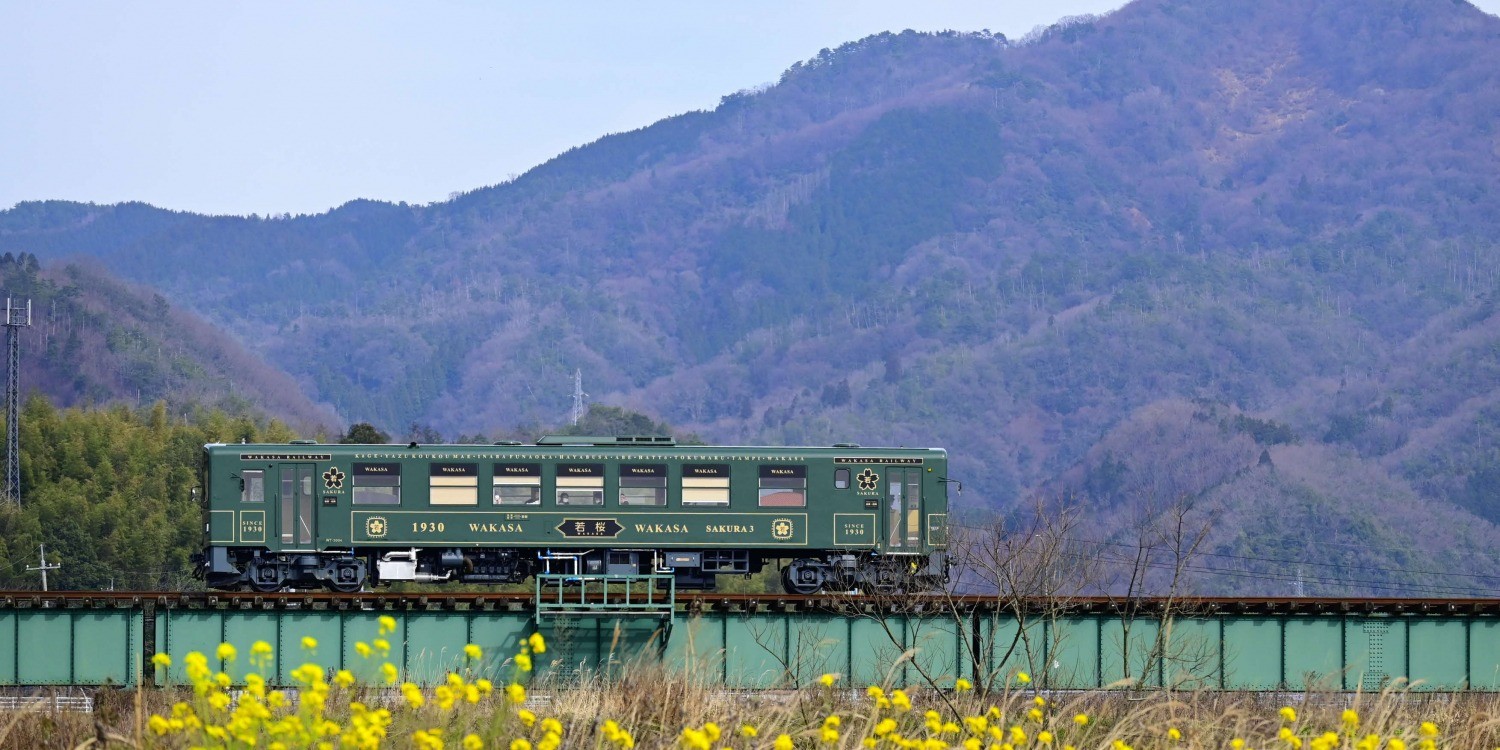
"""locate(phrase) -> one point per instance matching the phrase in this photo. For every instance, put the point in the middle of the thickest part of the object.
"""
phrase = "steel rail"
(693, 601)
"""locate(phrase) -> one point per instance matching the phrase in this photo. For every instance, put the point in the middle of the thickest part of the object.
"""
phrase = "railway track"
(713, 601)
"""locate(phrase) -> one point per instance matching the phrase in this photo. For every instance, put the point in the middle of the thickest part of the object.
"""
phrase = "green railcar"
(349, 516)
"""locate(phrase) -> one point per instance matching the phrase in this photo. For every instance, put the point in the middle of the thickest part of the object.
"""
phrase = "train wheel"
(347, 579)
(801, 578)
(265, 579)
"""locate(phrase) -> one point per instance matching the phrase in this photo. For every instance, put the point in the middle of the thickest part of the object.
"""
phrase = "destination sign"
(607, 528)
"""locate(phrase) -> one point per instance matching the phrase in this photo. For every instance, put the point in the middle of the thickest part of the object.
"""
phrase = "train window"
(453, 484)
(253, 486)
(705, 484)
(518, 484)
(377, 484)
(783, 486)
(841, 479)
(643, 484)
(580, 484)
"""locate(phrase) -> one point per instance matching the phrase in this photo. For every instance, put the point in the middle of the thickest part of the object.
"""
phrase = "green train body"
(350, 516)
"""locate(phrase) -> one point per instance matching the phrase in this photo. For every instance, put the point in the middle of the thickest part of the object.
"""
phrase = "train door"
(296, 506)
(904, 509)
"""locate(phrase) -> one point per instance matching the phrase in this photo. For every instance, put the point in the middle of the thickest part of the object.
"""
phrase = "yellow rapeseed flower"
(473, 742)
(515, 693)
(828, 679)
(473, 652)
(382, 645)
(484, 686)
(161, 660)
(520, 744)
(309, 643)
(1044, 737)
(874, 692)
(387, 624)
(343, 678)
(1288, 713)
(412, 694)
(962, 684)
(226, 652)
(1023, 678)
(1035, 715)
(1350, 719)
(828, 735)
(1081, 720)
(537, 643)
(1174, 734)
(523, 662)
(1017, 735)
(1428, 729)
(528, 718)
(389, 673)
(900, 701)
(782, 742)
(1039, 701)
(552, 726)
(712, 730)
(363, 649)
(1396, 744)
(832, 720)
(885, 727)
(694, 739)
(1237, 744)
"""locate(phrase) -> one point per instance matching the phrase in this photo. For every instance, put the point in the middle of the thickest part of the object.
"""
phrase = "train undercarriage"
(349, 571)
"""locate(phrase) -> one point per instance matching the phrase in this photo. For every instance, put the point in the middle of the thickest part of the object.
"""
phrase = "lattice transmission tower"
(16, 318)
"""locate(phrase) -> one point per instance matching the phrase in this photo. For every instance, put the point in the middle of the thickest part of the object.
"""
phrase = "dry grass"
(655, 707)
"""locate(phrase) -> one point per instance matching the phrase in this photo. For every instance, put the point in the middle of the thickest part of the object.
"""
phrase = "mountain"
(97, 340)
(1268, 226)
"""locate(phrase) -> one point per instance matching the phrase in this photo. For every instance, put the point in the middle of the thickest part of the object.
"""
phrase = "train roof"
(640, 444)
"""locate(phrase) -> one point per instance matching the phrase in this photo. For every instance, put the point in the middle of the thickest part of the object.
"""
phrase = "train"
(304, 515)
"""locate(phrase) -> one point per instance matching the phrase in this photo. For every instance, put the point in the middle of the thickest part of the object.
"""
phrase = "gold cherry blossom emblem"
(869, 481)
(375, 527)
(333, 479)
(781, 528)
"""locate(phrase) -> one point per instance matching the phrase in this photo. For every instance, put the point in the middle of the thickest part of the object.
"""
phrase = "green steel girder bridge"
(772, 641)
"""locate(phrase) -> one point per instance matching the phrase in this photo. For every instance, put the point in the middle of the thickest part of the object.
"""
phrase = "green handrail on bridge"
(591, 595)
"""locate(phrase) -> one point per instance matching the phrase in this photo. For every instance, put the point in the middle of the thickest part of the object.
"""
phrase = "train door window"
(894, 493)
(297, 504)
(518, 484)
(377, 484)
(253, 486)
(580, 484)
(904, 492)
(643, 484)
(783, 486)
(453, 484)
(841, 479)
(705, 484)
(913, 507)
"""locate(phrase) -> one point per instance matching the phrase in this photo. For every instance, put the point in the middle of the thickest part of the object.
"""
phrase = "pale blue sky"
(271, 107)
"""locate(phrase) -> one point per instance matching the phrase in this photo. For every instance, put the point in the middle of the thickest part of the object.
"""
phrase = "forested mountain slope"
(95, 340)
(1284, 211)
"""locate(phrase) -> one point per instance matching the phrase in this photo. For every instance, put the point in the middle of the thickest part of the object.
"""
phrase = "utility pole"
(44, 567)
(16, 318)
(578, 396)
